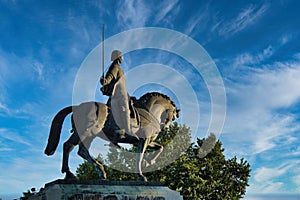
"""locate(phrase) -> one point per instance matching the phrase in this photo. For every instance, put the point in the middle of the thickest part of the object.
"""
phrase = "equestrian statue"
(150, 114)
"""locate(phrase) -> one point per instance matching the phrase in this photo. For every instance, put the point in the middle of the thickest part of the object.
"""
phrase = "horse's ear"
(177, 113)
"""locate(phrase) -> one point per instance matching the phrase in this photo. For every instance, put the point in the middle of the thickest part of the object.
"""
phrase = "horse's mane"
(144, 100)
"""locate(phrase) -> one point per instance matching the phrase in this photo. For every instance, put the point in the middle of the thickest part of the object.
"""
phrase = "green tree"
(200, 172)
(87, 171)
(209, 177)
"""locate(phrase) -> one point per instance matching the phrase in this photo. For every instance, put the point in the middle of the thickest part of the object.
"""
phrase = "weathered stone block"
(105, 190)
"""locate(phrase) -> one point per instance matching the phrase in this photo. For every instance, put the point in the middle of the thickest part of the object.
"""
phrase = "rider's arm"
(108, 78)
(110, 75)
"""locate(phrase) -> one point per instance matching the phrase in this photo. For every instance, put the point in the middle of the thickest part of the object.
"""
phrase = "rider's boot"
(120, 133)
(125, 126)
(128, 129)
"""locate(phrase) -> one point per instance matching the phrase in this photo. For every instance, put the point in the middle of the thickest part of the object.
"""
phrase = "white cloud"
(39, 69)
(17, 70)
(166, 8)
(7, 134)
(246, 59)
(272, 187)
(254, 98)
(296, 179)
(135, 13)
(4, 71)
(285, 39)
(37, 169)
(259, 120)
(271, 179)
(132, 13)
(20, 174)
(198, 21)
(282, 86)
(295, 152)
(244, 19)
(4, 109)
(271, 130)
(265, 174)
(3, 149)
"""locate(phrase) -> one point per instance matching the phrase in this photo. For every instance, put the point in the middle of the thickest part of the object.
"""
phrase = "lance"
(103, 50)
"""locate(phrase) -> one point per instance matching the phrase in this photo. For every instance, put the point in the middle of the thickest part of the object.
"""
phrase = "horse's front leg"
(139, 157)
(158, 149)
(67, 148)
(84, 153)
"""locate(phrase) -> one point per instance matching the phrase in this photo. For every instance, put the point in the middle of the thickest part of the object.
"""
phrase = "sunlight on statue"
(114, 86)
(123, 119)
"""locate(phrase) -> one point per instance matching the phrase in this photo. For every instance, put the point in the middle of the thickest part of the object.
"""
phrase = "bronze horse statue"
(149, 115)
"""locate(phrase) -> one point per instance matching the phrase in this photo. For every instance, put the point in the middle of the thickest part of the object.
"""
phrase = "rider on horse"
(114, 86)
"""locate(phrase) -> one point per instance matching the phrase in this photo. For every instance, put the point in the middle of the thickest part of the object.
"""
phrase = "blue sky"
(254, 44)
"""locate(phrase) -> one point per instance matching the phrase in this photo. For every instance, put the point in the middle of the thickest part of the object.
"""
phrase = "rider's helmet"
(115, 54)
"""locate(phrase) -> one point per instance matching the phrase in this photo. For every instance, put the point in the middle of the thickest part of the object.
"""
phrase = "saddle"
(140, 117)
(133, 111)
(135, 118)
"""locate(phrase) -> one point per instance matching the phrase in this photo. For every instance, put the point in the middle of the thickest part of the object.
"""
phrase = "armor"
(114, 86)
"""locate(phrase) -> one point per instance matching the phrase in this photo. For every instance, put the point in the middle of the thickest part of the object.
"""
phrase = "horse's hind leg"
(67, 148)
(84, 153)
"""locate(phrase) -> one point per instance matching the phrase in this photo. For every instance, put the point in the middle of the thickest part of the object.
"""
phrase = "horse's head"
(161, 106)
(169, 116)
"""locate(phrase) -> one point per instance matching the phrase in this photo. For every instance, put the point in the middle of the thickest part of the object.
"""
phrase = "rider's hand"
(103, 80)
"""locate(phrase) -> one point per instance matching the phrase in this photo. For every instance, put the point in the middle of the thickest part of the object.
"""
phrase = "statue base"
(105, 190)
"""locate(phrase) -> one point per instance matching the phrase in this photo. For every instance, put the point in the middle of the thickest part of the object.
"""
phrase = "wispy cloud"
(135, 13)
(132, 13)
(4, 109)
(271, 179)
(244, 19)
(246, 59)
(264, 174)
(254, 99)
(260, 123)
(15, 68)
(198, 21)
(5, 149)
(39, 69)
(285, 38)
(7, 134)
(32, 171)
(166, 8)
(274, 128)
(296, 180)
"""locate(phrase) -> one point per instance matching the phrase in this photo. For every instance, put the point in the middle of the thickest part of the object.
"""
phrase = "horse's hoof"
(143, 178)
(102, 176)
(70, 176)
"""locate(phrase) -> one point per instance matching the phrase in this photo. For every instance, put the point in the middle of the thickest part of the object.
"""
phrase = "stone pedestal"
(105, 190)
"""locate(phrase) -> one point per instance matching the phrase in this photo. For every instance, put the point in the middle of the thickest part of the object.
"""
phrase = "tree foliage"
(200, 171)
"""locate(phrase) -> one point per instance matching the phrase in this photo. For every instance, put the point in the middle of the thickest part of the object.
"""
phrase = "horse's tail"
(55, 130)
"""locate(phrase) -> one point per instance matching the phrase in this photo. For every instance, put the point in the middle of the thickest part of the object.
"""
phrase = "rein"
(148, 118)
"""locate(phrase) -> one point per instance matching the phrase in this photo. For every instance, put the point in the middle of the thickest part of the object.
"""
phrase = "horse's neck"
(156, 110)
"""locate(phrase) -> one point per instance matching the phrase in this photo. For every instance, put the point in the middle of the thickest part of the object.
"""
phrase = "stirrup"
(121, 133)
